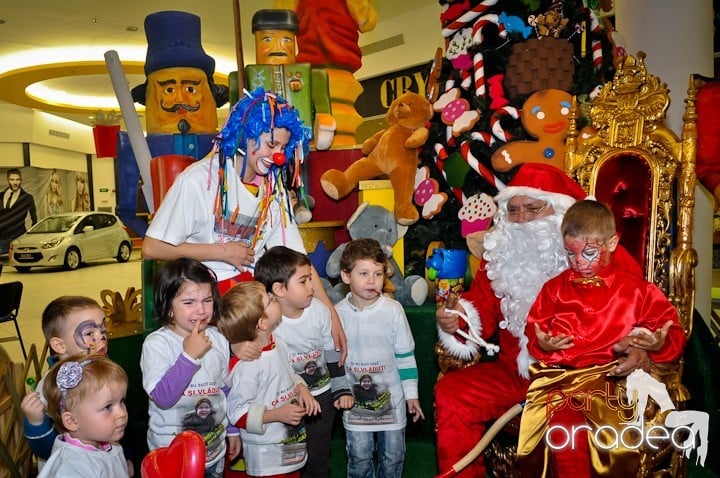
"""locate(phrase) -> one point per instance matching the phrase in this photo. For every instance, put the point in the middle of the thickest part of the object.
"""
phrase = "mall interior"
(41, 132)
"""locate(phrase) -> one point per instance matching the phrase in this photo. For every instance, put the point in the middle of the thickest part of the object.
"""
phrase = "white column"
(678, 40)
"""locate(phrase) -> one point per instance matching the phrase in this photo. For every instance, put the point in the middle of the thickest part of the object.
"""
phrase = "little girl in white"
(184, 362)
(86, 401)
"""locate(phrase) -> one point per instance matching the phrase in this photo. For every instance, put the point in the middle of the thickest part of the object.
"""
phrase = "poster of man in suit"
(17, 205)
(30, 195)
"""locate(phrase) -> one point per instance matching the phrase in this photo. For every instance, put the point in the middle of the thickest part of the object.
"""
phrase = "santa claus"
(522, 251)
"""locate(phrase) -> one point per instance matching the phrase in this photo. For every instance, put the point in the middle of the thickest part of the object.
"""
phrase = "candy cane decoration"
(483, 137)
(596, 54)
(478, 60)
(440, 152)
(467, 77)
(442, 155)
(479, 74)
(497, 128)
(478, 26)
(594, 22)
(478, 167)
(467, 17)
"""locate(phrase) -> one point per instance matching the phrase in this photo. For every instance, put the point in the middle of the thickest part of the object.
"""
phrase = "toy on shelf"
(391, 152)
(376, 222)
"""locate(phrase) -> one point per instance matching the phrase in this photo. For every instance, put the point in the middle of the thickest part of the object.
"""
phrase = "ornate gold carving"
(119, 309)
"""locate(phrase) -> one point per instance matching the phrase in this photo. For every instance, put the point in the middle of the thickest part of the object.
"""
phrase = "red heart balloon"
(184, 458)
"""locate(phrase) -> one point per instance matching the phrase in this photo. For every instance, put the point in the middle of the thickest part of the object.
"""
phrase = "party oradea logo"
(686, 430)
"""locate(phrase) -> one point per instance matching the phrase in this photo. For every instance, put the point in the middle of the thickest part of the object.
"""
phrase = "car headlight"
(52, 242)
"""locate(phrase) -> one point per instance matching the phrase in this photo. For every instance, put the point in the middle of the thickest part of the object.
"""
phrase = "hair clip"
(68, 377)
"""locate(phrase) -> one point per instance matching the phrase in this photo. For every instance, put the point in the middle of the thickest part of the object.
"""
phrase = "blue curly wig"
(257, 113)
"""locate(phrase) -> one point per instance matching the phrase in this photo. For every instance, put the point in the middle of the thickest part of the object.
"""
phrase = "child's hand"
(413, 408)
(290, 414)
(130, 467)
(248, 351)
(234, 446)
(33, 408)
(552, 343)
(636, 358)
(312, 406)
(197, 343)
(652, 341)
(345, 402)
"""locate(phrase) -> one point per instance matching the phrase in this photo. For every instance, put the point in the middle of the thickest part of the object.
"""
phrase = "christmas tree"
(498, 53)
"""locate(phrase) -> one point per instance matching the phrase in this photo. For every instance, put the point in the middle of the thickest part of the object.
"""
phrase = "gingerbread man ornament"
(545, 117)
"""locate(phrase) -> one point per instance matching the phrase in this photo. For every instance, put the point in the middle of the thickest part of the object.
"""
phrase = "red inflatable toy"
(184, 458)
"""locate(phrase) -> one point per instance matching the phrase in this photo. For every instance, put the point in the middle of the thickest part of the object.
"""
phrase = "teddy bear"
(390, 152)
(376, 222)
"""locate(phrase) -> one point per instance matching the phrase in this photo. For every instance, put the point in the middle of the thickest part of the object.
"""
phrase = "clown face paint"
(586, 256)
(259, 155)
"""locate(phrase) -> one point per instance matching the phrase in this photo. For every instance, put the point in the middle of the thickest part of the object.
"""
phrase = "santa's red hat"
(544, 182)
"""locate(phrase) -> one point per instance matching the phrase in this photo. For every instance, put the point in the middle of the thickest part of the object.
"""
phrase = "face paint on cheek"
(586, 258)
(90, 337)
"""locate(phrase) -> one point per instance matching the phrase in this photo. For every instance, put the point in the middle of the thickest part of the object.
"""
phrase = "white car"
(70, 239)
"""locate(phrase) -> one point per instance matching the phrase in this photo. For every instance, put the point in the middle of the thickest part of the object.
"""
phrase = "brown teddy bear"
(390, 152)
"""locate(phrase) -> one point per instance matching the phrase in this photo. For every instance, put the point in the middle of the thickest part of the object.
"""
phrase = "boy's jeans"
(390, 449)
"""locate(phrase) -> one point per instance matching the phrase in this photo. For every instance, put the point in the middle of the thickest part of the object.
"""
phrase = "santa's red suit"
(497, 303)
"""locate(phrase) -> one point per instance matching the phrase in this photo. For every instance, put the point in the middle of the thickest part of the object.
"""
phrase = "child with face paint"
(86, 400)
(71, 325)
(185, 361)
(579, 317)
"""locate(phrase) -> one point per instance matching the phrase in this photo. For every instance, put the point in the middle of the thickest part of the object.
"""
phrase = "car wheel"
(22, 269)
(72, 259)
(124, 252)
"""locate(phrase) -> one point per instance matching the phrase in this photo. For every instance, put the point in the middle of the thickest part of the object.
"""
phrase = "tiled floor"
(41, 285)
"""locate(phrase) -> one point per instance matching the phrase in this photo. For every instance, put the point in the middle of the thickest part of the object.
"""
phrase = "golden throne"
(629, 160)
(646, 174)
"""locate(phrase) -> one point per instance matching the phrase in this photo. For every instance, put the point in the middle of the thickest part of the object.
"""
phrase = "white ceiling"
(83, 23)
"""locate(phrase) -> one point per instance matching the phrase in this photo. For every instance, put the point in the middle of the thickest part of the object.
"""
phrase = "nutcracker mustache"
(180, 106)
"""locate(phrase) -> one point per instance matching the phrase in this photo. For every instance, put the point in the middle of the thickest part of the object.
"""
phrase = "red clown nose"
(279, 159)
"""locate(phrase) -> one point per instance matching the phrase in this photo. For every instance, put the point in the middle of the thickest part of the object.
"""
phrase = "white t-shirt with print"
(186, 215)
(160, 351)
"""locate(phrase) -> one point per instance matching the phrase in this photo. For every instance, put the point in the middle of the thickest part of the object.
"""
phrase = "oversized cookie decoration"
(545, 117)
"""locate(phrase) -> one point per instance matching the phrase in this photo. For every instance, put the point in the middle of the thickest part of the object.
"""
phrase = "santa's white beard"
(521, 257)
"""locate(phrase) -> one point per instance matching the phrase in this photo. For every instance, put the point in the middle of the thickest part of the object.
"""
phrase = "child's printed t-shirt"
(202, 406)
(265, 384)
(380, 352)
(306, 337)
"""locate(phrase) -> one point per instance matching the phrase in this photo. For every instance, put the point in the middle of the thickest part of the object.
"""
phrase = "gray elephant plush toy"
(376, 222)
